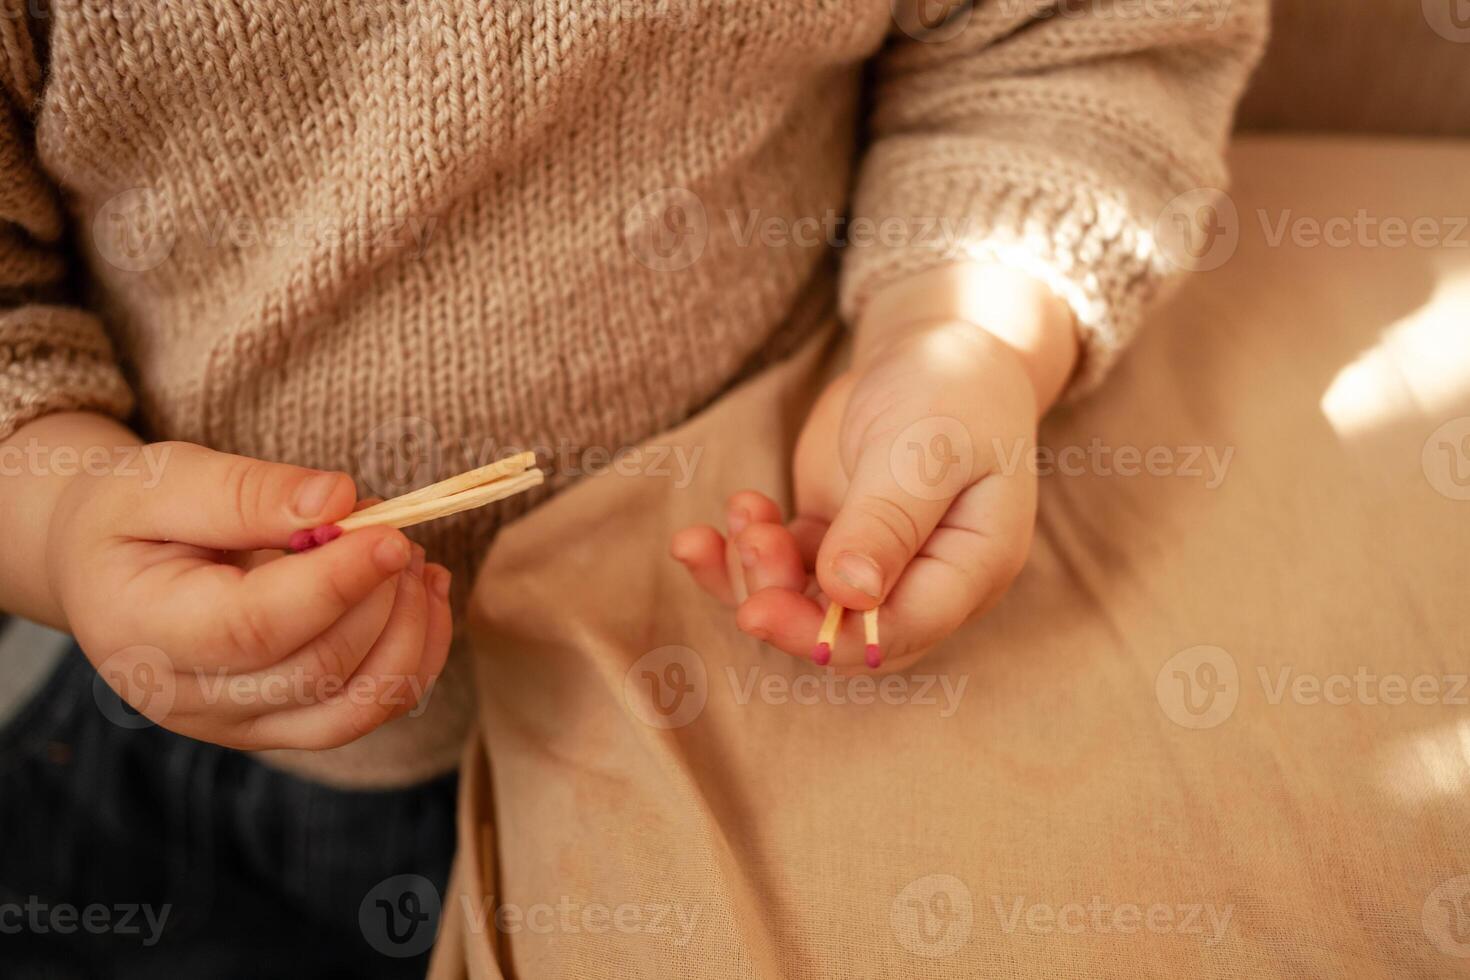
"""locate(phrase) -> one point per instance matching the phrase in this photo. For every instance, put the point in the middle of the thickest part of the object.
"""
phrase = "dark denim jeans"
(134, 852)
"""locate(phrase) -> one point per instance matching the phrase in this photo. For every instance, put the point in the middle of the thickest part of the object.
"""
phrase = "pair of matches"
(477, 488)
(827, 638)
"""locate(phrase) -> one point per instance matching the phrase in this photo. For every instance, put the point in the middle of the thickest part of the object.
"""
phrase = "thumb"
(901, 487)
(234, 503)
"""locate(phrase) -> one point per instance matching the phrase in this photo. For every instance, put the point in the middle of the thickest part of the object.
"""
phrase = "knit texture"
(1054, 143)
(405, 239)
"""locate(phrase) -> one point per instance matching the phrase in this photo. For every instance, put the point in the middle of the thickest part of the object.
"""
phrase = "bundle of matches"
(467, 491)
(822, 652)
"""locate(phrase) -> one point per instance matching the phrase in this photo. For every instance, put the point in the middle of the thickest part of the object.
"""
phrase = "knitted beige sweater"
(401, 238)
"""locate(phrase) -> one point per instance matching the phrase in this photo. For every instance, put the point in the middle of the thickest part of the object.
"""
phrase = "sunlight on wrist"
(1007, 304)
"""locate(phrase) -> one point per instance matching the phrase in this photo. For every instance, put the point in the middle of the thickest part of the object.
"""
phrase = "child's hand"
(913, 481)
(166, 592)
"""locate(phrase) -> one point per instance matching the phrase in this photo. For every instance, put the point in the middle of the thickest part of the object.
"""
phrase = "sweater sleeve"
(53, 355)
(1052, 136)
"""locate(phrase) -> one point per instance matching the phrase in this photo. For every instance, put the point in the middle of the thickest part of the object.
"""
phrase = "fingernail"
(391, 554)
(442, 578)
(738, 519)
(312, 496)
(749, 556)
(860, 572)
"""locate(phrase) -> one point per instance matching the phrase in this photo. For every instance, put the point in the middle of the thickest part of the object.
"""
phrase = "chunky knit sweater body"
(401, 239)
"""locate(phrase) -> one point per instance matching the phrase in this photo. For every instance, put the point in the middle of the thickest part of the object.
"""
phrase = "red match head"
(308, 538)
(326, 533)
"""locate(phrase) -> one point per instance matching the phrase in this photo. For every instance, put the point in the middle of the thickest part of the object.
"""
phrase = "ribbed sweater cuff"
(1064, 224)
(56, 359)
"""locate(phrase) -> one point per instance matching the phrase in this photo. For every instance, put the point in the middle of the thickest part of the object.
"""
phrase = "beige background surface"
(1116, 783)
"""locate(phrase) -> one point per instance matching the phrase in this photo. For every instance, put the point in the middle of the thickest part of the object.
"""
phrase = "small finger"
(787, 620)
(250, 620)
(769, 559)
(701, 550)
(394, 663)
(371, 696)
(438, 637)
(319, 666)
(746, 507)
(339, 651)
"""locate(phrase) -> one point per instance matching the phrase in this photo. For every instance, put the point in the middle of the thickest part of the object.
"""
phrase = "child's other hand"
(912, 476)
(167, 591)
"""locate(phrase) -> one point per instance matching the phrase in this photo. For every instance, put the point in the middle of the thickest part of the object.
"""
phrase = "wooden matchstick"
(822, 652)
(455, 484)
(464, 492)
(873, 652)
(430, 509)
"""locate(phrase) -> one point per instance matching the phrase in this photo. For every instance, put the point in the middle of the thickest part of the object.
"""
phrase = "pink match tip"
(874, 655)
(326, 533)
(301, 540)
(822, 654)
